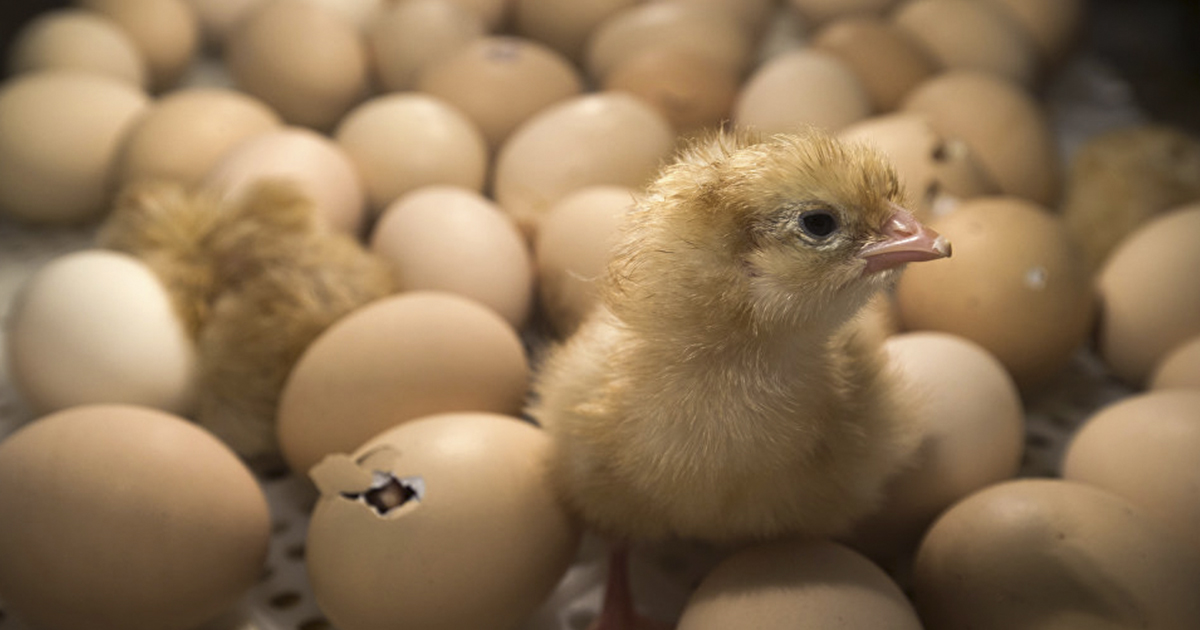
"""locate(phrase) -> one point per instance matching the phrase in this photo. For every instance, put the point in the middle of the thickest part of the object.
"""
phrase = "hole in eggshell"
(388, 492)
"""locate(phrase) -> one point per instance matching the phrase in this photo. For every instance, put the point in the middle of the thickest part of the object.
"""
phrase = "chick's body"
(727, 390)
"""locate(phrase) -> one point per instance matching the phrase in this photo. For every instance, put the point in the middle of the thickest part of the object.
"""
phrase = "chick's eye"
(818, 224)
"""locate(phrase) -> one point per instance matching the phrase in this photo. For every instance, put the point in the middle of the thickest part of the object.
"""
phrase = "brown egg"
(124, 518)
(446, 522)
(1002, 125)
(938, 172)
(691, 28)
(494, 13)
(307, 63)
(443, 238)
(184, 134)
(798, 584)
(564, 26)
(752, 15)
(1043, 553)
(393, 360)
(1145, 448)
(1016, 285)
(319, 166)
(817, 12)
(970, 35)
(499, 82)
(60, 131)
(360, 13)
(801, 87)
(1180, 367)
(691, 91)
(602, 138)
(574, 243)
(973, 435)
(885, 59)
(401, 142)
(165, 31)
(77, 39)
(1054, 27)
(410, 35)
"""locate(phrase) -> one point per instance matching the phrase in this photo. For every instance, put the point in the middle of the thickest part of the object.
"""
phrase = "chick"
(727, 389)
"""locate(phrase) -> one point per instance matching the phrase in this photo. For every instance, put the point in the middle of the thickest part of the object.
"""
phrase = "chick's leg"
(617, 612)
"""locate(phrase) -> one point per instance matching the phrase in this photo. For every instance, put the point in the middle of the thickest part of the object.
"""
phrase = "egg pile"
(483, 152)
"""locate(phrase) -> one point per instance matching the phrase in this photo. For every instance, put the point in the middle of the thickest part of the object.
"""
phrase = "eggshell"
(494, 13)
(360, 13)
(306, 62)
(602, 138)
(401, 142)
(1145, 448)
(98, 327)
(1180, 367)
(1054, 27)
(798, 584)
(564, 26)
(1149, 294)
(970, 35)
(393, 360)
(184, 134)
(691, 91)
(751, 15)
(451, 239)
(801, 87)
(1016, 285)
(1001, 123)
(817, 12)
(691, 28)
(499, 82)
(1043, 553)
(77, 39)
(574, 243)
(217, 18)
(410, 35)
(481, 544)
(318, 166)
(60, 131)
(886, 60)
(125, 518)
(939, 173)
(165, 31)
(973, 435)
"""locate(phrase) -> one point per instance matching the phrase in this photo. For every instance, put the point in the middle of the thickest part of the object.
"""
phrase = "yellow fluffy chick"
(727, 389)
(255, 281)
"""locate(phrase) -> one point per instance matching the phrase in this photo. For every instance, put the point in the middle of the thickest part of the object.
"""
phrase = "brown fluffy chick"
(725, 390)
(256, 281)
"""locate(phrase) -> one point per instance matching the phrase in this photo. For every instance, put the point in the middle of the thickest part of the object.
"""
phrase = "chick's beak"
(905, 240)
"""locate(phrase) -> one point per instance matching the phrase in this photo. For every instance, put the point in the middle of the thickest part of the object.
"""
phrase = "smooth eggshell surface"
(1053, 27)
(165, 31)
(1145, 448)
(1180, 368)
(410, 35)
(564, 26)
(817, 12)
(479, 545)
(886, 60)
(691, 91)
(970, 35)
(1048, 553)
(799, 88)
(393, 360)
(125, 518)
(99, 327)
(77, 39)
(787, 585)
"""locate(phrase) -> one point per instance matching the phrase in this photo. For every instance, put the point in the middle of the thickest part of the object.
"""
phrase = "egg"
(443, 238)
(410, 35)
(445, 522)
(600, 138)
(574, 243)
(217, 18)
(120, 517)
(318, 166)
(1015, 285)
(752, 15)
(1048, 553)
(60, 131)
(1150, 299)
(165, 31)
(395, 359)
(98, 327)
(1001, 123)
(403, 141)
(359, 13)
(972, 435)
(1145, 448)
(970, 35)
(690, 91)
(494, 13)
(798, 584)
(77, 39)
(1180, 367)
(306, 62)
(499, 82)
(1054, 27)
(798, 88)
(564, 26)
(817, 12)
(887, 60)
(184, 134)
(938, 173)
